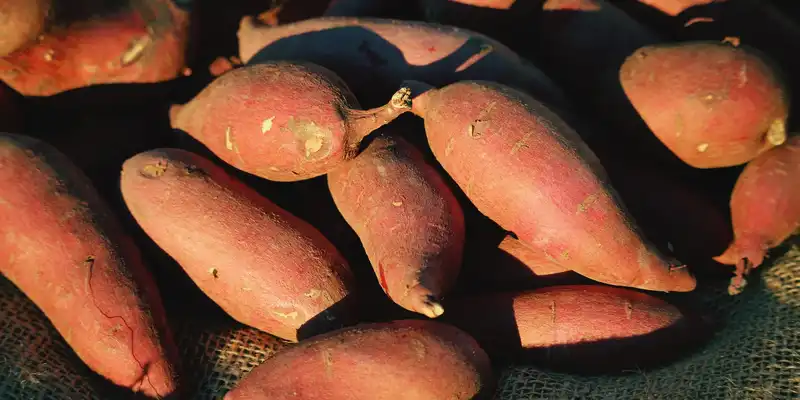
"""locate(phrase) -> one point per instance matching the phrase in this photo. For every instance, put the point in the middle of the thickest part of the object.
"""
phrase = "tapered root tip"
(776, 135)
(431, 309)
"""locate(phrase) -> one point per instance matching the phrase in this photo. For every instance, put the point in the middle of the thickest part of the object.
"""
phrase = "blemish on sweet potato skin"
(730, 102)
(292, 274)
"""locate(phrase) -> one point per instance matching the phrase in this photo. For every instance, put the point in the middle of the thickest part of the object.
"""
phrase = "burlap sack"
(755, 356)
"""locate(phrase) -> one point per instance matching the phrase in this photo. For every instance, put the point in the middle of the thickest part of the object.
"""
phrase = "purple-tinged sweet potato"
(585, 327)
(282, 121)
(712, 104)
(374, 55)
(143, 41)
(527, 170)
(408, 220)
(65, 250)
(765, 206)
(408, 360)
(21, 21)
(263, 266)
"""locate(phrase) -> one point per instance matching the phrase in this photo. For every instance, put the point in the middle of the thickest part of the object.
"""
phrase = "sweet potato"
(63, 248)
(527, 170)
(408, 360)
(408, 220)
(765, 206)
(142, 42)
(374, 55)
(712, 104)
(263, 266)
(534, 258)
(21, 21)
(282, 121)
(568, 325)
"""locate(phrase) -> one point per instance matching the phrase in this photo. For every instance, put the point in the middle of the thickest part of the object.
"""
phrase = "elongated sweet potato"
(566, 326)
(527, 170)
(765, 206)
(143, 42)
(712, 104)
(374, 55)
(21, 21)
(263, 266)
(282, 121)
(63, 248)
(408, 220)
(408, 360)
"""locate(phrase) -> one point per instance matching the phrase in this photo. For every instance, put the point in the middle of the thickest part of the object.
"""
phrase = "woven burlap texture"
(755, 356)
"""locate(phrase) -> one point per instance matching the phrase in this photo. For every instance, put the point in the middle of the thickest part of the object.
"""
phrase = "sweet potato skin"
(565, 324)
(539, 180)
(255, 119)
(63, 248)
(144, 43)
(408, 220)
(765, 207)
(21, 21)
(539, 263)
(263, 266)
(374, 55)
(409, 360)
(675, 7)
(712, 104)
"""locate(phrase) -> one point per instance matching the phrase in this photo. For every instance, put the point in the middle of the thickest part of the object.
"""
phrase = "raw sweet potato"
(566, 325)
(712, 104)
(534, 258)
(408, 220)
(263, 266)
(21, 21)
(527, 170)
(282, 121)
(142, 42)
(374, 55)
(765, 206)
(401, 360)
(62, 247)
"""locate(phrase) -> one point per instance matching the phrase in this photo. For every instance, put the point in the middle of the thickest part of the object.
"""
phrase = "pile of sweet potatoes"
(542, 196)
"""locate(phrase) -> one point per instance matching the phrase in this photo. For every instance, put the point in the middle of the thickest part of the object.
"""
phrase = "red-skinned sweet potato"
(527, 170)
(282, 121)
(712, 104)
(143, 42)
(408, 220)
(263, 266)
(63, 248)
(765, 206)
(409, 360)
(21, 21)
(374, 55)
(566, 326)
